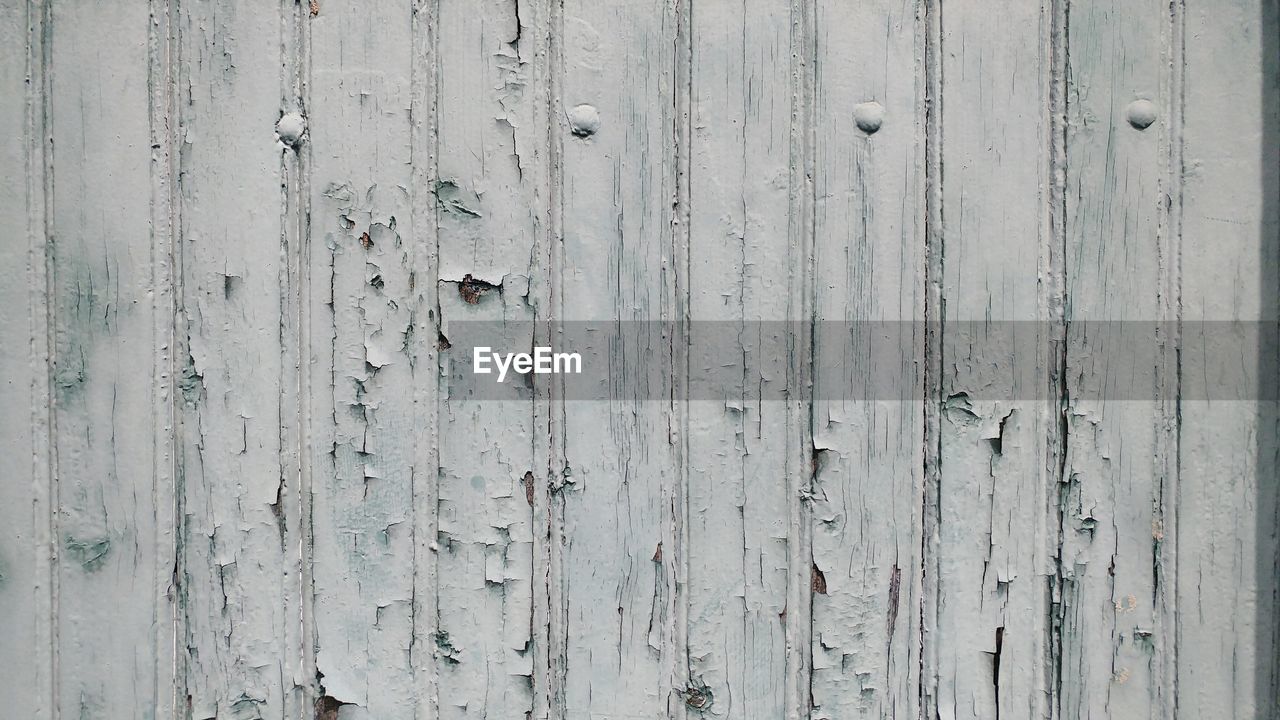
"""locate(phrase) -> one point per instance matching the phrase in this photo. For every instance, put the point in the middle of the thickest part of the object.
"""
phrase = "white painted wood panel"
(365, 431)
(238, 537)
(869, 289)
(997, 452)
(25, 659)
(487, 237)
(614, 530)
(738, 494)
(1113, 577)
(112, 543)
(1226, 510)
(252, 474)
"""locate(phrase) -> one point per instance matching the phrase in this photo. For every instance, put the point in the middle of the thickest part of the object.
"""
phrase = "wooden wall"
(244, 241)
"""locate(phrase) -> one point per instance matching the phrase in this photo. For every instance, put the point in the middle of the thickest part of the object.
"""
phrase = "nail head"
(868, 116)
(1141, 113)
(290, 127)
(584, 120)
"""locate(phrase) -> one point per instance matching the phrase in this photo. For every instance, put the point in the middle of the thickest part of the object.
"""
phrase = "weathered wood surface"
(248, 243)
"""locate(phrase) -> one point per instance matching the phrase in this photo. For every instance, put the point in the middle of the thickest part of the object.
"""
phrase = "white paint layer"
(250, 247)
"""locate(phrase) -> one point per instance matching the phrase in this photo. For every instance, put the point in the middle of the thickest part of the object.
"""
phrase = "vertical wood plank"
(996, 437)
(539, 166)
(169, 620)
(487, 232)
(1226, 579)
(364, 435)
(23, 370)
(535, 556)
(868, 433)
(103, 327)
(1117, 256)
(425, 346)
(237, 484)
(39, 201)
(111, 593)
(801, 366)
(485, 542)
(738, 444)
(296, 410)
(616, 553)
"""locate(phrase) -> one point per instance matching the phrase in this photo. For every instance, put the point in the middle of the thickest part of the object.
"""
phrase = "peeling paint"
(252, 482)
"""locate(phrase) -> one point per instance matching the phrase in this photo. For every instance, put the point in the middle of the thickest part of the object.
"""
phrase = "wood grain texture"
(738, 497)
(113, 558)
(997, 445)
(617, 551)
(868, 444)
(1226, 540)
(487, 233)
(363, 262)
(251, 474)
(24, 509)
(1114, 546)
(235, 296)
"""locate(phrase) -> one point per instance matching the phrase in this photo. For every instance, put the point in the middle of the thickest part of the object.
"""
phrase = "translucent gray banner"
(862, 360)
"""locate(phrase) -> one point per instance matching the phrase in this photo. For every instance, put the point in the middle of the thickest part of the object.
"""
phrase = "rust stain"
(895, 591)
(327, 708)
(697, 698)
(528, 487)
(471, 289)
(818, 581)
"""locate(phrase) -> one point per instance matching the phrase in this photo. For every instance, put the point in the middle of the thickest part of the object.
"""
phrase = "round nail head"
(868, 116)
(584, 120)
(290, 127)
(1141, 114)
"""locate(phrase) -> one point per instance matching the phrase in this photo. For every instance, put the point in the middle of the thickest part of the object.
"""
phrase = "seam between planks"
(545, 176)
(1057, 26)
(300, 690)
(181, 349)
(425, 473)
(553, 696)
(545, 391)
(933, 352)
(40, 271)
(802, 290)
(677, 562)
(165, 273)
(1172, 495)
